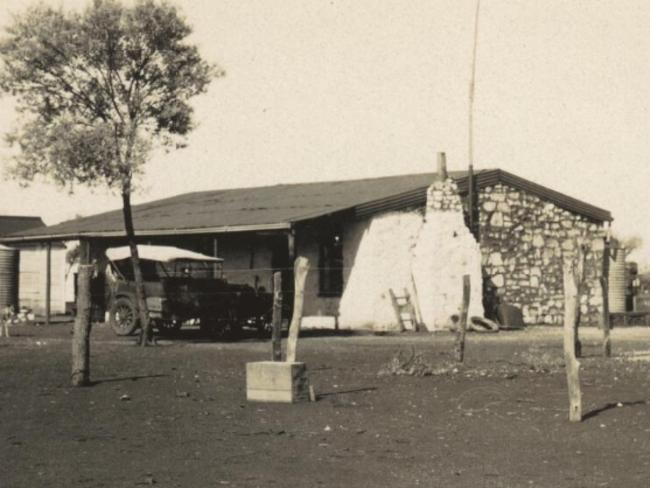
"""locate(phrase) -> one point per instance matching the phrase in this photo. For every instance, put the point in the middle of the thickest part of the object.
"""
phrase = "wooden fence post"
(48, 283)
(604, 318)
(276, 338)
(578, 267)
(462, 322)
(301, 268)
(81, 331)
(572, 364)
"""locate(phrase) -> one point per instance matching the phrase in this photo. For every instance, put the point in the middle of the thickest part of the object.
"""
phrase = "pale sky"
(326, 90)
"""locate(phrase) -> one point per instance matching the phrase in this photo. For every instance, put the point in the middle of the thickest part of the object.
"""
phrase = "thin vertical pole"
(48, 283)
(471, 204)
(604, 284)
(291, 245)
(215, 249)
(462, 323)
(289, 275)
(276, 338)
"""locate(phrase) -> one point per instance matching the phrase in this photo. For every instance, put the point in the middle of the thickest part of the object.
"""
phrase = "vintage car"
(182, 286)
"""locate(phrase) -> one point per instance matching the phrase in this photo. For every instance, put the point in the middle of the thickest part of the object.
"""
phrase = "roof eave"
(148, 233)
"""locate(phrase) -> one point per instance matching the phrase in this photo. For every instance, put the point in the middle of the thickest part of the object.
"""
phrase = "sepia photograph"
(324, 243)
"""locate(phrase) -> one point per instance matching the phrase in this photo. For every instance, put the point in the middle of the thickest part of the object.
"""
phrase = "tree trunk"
(276, 338)
(146, 332)
(462, 321)
(301, 268)
(81, 331)
(572, 365)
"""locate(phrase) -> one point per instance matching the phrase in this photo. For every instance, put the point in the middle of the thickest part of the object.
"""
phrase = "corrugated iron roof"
(10, 224)
(281, 206)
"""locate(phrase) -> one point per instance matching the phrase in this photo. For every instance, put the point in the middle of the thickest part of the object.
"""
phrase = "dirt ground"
(177, 416)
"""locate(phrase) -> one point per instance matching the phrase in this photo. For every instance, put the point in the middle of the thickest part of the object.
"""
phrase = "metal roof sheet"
(10, 224)
(281, 206)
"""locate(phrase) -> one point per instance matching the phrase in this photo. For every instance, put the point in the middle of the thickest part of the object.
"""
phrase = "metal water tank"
(617, 280)
(631, 284)
(8, 277)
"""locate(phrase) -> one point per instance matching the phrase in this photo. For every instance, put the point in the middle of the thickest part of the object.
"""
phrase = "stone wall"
(523, 241)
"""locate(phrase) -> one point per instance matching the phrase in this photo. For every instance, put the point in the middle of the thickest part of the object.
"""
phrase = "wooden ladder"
(404, 310)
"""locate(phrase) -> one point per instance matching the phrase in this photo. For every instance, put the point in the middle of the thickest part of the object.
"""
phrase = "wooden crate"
(275, 381)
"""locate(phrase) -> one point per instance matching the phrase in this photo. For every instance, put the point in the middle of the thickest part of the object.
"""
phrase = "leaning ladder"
(404, 310)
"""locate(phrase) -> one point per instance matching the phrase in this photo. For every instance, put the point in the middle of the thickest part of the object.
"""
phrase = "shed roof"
(281, 206)
(10, 224)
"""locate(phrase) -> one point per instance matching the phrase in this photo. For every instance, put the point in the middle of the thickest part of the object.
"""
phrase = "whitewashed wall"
(425, 254)
(32, 278)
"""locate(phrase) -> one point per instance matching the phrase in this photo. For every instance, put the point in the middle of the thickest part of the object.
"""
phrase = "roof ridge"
(321, 182)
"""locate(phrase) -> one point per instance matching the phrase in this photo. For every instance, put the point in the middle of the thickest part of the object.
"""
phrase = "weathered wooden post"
(276, 337)
(604, 285)
(462, 322)
(578, 266)
(82, 324)
(301, 268)
(48, 282)
(81, 331)
(283, 381)
(570, 323)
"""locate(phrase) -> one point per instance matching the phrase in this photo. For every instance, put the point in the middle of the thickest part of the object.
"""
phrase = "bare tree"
(97, 91)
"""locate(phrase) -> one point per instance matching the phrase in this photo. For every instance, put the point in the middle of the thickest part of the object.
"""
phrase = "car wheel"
(123, 317)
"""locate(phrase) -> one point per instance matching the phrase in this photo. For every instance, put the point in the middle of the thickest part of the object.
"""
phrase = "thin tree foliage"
(97, 91)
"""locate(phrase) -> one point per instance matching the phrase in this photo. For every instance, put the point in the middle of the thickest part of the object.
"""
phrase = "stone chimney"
(444, 252)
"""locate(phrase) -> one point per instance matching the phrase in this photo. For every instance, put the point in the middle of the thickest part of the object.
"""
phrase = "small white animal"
(6, 319)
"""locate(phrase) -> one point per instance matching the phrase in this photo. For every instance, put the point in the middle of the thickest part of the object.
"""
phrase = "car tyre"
(123, 317)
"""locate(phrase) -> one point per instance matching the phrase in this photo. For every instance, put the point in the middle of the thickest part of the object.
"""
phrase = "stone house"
(366, 237)
(524, 232)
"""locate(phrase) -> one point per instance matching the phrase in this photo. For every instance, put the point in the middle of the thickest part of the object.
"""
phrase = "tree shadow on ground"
(326, 333)
(609, 406)
(345, 392)
(126, 378)
(195, 336)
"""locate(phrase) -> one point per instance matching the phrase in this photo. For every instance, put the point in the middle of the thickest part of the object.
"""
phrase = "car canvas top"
(159, 253)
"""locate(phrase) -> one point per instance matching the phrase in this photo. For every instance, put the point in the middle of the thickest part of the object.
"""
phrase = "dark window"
(331, 265)
(151, 270)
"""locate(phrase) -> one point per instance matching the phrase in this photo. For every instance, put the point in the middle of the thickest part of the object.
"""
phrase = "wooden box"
(275, 381)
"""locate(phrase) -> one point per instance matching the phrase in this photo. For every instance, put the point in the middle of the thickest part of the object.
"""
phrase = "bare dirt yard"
(177, 416)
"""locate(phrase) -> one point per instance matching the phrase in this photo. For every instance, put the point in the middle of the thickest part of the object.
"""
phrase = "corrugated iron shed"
(281, 206)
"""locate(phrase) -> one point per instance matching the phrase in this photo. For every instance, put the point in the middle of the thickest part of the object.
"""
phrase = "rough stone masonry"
(524, 240)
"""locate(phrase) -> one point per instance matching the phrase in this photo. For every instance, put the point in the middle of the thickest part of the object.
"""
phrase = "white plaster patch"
(444, 253)
(427, 257)
(382, 261)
